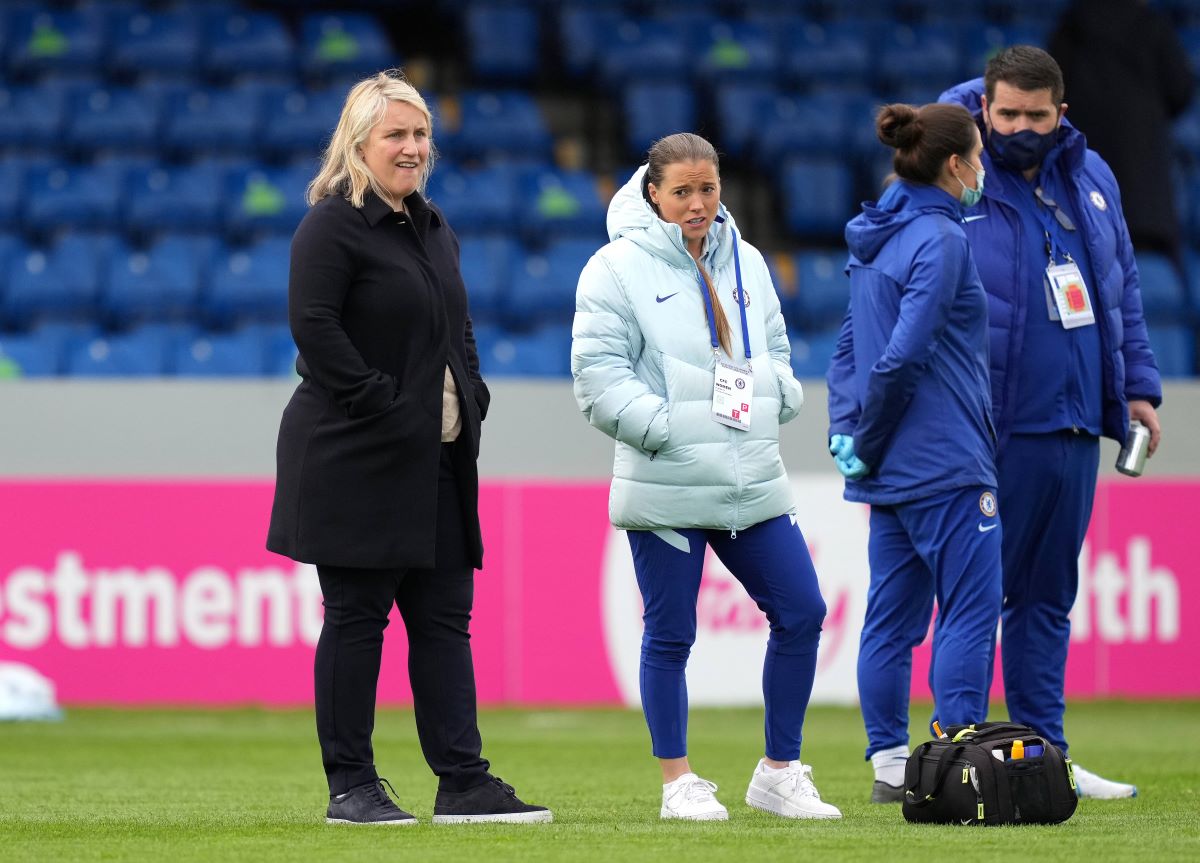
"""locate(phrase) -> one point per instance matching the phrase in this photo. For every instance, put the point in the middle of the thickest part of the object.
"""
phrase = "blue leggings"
(771, 561)
(942, 546)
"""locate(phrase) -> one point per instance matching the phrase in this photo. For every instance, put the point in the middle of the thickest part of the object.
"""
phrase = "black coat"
(378, 310)
(1127, 77)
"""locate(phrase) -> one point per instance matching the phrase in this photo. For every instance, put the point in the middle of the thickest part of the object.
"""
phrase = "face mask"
(1022, 150)
(968, 196)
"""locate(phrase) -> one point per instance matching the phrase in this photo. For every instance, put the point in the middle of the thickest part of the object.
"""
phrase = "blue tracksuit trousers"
(946, 546)
(1048, 485)
(772, 562)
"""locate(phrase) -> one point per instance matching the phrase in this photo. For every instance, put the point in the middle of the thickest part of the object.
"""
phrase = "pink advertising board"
(160, 592)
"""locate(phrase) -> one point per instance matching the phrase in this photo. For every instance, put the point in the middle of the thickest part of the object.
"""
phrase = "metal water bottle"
(1132, 458)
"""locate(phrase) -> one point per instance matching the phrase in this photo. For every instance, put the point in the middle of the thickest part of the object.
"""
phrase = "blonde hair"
(343, 171)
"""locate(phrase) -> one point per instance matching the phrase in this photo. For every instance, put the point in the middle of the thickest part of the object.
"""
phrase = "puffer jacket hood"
(870, 230)
(631, 215)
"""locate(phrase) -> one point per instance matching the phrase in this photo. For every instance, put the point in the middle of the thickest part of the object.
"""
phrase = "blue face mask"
(970, 197)
(1021, 150)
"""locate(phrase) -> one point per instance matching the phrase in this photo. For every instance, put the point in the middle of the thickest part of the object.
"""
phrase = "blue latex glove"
(841, 446)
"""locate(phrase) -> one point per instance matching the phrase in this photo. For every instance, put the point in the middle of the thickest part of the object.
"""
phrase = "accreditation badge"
(1070, 295)
(733, 393)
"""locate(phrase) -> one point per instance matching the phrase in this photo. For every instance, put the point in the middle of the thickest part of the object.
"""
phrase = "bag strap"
(987, 731)
(913, 793)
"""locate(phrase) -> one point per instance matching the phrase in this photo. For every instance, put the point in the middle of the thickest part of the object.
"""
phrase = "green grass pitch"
(176, 786)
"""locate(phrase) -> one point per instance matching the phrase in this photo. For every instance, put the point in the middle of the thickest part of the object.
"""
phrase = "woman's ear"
(653, 192)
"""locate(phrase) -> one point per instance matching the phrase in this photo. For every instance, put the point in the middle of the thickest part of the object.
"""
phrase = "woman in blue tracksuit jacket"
(910, 428)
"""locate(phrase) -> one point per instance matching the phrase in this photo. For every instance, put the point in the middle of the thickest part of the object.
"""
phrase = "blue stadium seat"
(740, 109)
(655, 109)
(161, 283)
(61, 282)
(816, 124)
(260, 199)
(240, 353)
(543, 284)
(64, 195)
(738, 51)
(27, 355)
(46, 42)
(176, 198)
(840, 51)
(585, 32)
(555, 203)
(279, 350)
(212, 120)
(1174, 347)
(817, 195)
(300, 121)
(644, 49)
(543, 352)
(111, 118)
(344, 44)
(503, 41)
(136, 353)
(467, 207)
(64, 336)
(249, 284)
(919, 54)
(501, 124)
(982, 43)
(31, 118)
(160, 41)
(811, 353)
(1164, 295)
(486, 263)
(822, 289)
(245, 43)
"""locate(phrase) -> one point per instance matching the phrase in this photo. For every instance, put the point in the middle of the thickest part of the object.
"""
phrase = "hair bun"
(898, 126)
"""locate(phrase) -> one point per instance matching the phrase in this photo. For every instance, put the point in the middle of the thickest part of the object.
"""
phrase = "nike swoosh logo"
(664, 299)
(983, 529)
(974, 218)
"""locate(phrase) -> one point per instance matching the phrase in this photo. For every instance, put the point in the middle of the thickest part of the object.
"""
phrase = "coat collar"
(375, 210)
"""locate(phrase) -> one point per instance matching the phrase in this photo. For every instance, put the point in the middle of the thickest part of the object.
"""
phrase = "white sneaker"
(1098, 788)
(691, 798)
(789, 792)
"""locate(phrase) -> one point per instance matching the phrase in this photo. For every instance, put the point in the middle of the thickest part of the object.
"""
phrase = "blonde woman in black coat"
(376, 463)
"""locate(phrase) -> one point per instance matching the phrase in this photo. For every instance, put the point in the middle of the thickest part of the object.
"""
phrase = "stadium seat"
(47, 42)
(458, 194)
(740, 109)
(64, 336)
(555, 204)
(31, 118)
(161, 283)
(346, 45)
(300, 121)
(822, 289)
(585, 30)
(111, 118)
(64, 195)
(817, 195)
(738, 51)
(839, 51)
(61, 282)
(1174, 347)
(503, 41)
(816, 124)
(654, 109)
(486, 263)
(212, 120)
(249, 284)
(136, 353)
(542, 352)
(543, 284)
(175, 198)
(811, 353)
(1164, 295)
(26, 355)
(279, 349)
(260, 199)
(500, 123)
(982, 43)
(644, 50)
(240, 353)
(146, 41)
(925, 54)
(244, 43)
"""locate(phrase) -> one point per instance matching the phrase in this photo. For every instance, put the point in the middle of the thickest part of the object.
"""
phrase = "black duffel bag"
(971, 776)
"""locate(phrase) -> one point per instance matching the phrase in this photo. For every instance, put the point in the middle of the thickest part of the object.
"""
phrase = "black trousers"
(435, 605)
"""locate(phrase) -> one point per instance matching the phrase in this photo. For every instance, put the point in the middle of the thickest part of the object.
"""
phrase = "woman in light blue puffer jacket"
(680, 353)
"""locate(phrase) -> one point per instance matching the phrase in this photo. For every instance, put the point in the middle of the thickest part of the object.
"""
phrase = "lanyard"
(1052, 219)
(711, 316)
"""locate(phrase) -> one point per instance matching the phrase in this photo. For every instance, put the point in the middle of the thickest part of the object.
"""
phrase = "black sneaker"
(492, 801)
(366, 804)
(881, 792)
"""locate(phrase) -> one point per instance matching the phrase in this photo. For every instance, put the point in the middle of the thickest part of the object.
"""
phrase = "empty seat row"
(217, 40)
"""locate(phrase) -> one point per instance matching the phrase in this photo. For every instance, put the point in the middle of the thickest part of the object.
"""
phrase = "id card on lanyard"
(1071, 303)
(733, 385)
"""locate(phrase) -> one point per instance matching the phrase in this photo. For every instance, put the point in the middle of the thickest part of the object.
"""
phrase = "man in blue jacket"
(1070, 361)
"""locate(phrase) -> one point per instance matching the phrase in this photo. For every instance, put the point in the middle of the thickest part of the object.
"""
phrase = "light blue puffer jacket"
(643, 365)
